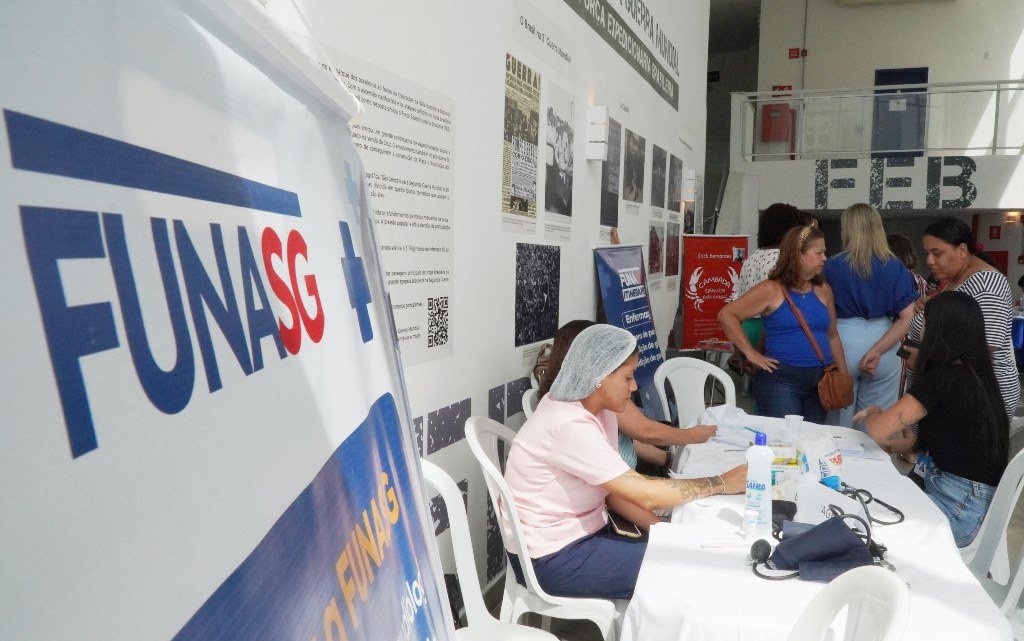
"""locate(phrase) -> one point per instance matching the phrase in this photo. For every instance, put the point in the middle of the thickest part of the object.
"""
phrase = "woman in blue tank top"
(790, 369)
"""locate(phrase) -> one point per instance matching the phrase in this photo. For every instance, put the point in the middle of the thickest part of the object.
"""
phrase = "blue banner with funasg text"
(623, 285)
(350, 544)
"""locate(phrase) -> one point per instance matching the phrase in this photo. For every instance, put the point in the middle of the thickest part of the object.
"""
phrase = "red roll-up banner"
(711, 272)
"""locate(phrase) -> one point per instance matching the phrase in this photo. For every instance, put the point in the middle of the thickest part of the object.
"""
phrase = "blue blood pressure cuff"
(821, 552)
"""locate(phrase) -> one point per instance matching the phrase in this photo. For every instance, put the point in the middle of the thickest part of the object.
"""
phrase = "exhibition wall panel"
(474, 141)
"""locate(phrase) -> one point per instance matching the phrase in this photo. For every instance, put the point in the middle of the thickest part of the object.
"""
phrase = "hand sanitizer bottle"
(757, 510)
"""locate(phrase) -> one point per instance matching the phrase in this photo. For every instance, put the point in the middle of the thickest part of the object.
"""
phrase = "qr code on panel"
(437, 321)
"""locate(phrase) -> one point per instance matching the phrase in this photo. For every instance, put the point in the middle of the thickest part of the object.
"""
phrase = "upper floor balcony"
(945, 119)
(929, 148)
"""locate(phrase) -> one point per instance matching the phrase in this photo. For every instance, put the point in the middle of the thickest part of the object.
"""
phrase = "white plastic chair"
(483, 436)
(481, 626)
(990, 545)
(987, 554)
(688, 377)
(879, 605)
(530, 401)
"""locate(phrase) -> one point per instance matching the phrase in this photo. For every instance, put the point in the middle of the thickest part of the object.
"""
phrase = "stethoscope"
(864, 497)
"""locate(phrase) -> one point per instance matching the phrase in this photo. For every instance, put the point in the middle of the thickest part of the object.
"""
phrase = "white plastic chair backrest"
(879, 605)
(688, 377)
(483, 436)
(996, 521)
(462, 546)
(530, 401)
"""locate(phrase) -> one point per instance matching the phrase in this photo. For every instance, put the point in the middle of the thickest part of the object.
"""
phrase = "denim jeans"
(964, 502)
(602, 564)
(880, 388)
(789, 390)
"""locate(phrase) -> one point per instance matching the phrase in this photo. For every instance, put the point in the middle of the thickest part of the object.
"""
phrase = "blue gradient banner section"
(52, 148)
(344, 561)
(622, 282)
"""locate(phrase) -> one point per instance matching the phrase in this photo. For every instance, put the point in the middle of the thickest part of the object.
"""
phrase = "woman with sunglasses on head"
(957, 406)
(789, 368)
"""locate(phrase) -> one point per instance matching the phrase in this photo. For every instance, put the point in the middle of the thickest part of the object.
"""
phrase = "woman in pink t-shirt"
(564, 466)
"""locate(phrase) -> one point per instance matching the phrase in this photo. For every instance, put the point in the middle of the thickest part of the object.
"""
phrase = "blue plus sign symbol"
(354, 191)
(355, 280)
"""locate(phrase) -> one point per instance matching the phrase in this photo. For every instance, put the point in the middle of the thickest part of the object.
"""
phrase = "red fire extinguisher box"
(776, 121)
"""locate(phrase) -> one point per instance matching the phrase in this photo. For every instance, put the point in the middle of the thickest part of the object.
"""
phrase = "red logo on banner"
(711, 271)
(794, 53)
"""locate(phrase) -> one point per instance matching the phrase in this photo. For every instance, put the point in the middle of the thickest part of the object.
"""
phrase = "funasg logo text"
(240, 308)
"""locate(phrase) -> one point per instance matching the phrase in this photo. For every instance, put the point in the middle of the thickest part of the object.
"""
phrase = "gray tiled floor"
(586, 631)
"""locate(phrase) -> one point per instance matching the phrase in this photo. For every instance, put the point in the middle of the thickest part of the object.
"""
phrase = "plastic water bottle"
(757, 510)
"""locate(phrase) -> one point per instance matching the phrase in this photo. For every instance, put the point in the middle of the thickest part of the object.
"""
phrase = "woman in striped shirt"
(952, 258)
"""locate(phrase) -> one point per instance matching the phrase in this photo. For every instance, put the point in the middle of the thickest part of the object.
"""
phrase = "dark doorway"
(900, 115)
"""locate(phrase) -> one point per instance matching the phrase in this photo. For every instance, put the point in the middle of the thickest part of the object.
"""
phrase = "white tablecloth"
(695, 586)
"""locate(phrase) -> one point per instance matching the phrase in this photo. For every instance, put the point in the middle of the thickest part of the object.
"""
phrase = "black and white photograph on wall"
(633, 167)
(658, 158)
(672, 249)
(656, 249)
(522, 128)
(688, 215)
(558, 142)
(610, 176)
(702, 224)
(537, 283)
(675, 183)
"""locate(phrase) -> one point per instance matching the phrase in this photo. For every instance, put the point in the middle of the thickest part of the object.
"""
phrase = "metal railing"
(965, 118)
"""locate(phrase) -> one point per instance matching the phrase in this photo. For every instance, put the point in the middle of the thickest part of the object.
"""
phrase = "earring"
(599, 384)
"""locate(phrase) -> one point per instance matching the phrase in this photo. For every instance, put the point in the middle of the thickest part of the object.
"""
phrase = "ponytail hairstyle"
(955, 333)
(953, 231)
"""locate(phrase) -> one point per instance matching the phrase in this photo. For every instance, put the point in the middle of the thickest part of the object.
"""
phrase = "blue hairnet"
(595, 353)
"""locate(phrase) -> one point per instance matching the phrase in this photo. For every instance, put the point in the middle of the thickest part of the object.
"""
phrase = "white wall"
(963, 40)
(458, 49)
(1011, 241)
(959, 41)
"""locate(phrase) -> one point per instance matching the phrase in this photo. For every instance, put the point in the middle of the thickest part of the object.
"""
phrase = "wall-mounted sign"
(605, 20)
(897, 182)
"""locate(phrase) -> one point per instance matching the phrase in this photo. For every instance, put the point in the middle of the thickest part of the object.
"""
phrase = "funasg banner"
(623, 285)
(204, 430)
(711, 272)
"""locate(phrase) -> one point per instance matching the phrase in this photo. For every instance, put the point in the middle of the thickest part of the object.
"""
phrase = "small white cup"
(794, 424)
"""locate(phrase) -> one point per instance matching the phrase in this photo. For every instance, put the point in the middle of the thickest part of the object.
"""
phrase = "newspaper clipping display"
(519, 155)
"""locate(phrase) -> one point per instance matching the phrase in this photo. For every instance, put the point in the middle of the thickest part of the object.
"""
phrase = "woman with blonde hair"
(789, 369)
(875, 297)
